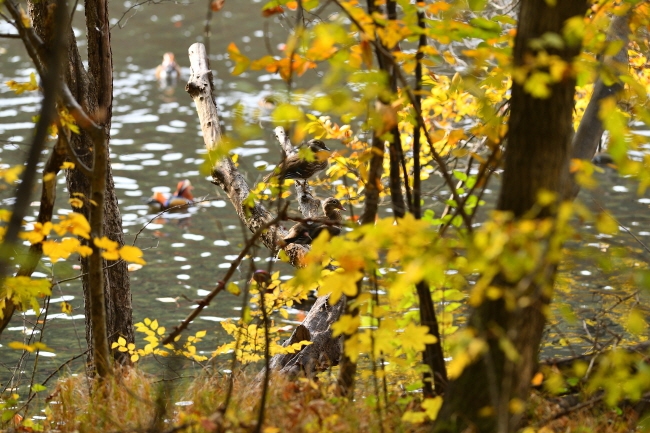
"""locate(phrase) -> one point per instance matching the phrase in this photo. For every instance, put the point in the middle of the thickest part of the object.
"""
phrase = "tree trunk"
(93, 91)
(537, 157)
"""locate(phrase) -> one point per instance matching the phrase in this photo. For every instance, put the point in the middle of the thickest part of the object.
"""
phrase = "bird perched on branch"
(304, 232)
(182, 196)
(299, 167)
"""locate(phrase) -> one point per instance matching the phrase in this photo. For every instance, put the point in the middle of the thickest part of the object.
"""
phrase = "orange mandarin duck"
(181, 197)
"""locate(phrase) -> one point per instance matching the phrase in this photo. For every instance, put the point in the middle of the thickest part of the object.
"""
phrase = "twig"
(222, 284)
(119, 22)
(267, 357)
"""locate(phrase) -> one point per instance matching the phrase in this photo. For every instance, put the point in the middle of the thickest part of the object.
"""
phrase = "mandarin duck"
(168, 71)
(182, 196)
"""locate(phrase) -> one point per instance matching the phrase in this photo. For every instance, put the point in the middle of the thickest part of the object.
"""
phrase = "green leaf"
(485, 24)
(460, 175)
(285, 114)
(477, 5)
(38, 387)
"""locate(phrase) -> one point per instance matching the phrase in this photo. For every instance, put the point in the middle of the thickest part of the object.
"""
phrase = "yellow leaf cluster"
(31, 348)
(24, 292)
(112, 252)
(20, 88)
(74, 223)
(62, 250)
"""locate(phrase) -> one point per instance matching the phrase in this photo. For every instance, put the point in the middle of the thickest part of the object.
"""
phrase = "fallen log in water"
(324, 350)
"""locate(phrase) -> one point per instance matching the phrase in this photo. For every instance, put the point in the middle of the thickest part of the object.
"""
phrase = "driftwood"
(324, 350)
(587, 138)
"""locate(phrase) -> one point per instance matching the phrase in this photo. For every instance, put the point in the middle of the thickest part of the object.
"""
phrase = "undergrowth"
(135, 401)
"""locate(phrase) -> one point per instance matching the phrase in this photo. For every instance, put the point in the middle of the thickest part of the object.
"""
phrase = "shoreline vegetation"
(134, 401)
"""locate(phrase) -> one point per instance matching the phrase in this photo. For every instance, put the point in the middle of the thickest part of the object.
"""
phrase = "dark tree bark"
(537, 157)
(93, 91)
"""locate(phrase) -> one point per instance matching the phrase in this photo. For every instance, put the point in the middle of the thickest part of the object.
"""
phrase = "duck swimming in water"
(168, 72)
(182, 196)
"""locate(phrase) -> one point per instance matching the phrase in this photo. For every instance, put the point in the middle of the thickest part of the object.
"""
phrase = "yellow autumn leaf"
(74, 223)
(60, 250)
(39, 233)
(67, 165)
(110, 247)
(347, 324)
(414, 417)
(20, 346)
(605, 223)
(132, 254)
(337, 284)
(48, 176)
(5, 215)
(416, 337)
(67, 121)
(75, 202)
(66, 308)
(84, 251)
(105, 243)
(10, 175)
(20, 88)
(432, 406)
(636, 323)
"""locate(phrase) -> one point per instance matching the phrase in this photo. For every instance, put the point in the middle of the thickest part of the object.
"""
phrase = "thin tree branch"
(222, 284)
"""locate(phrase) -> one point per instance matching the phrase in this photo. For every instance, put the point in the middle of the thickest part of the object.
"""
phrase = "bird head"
(158, 197)
(330, 204)
(317, 146)
(168, 59)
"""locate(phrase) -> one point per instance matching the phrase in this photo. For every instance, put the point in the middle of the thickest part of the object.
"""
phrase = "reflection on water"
(156, 142)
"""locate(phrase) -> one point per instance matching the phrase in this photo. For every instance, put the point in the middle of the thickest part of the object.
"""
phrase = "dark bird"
(295, 167)
(298, 234)
(304, 232)
(182, 196)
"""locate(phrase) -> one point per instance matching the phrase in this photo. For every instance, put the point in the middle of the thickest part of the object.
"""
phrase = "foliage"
(153, 336)
(463, 122)
(295, 406)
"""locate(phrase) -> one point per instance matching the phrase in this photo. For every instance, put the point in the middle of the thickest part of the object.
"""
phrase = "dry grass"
(134, 401)
(129, 404)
